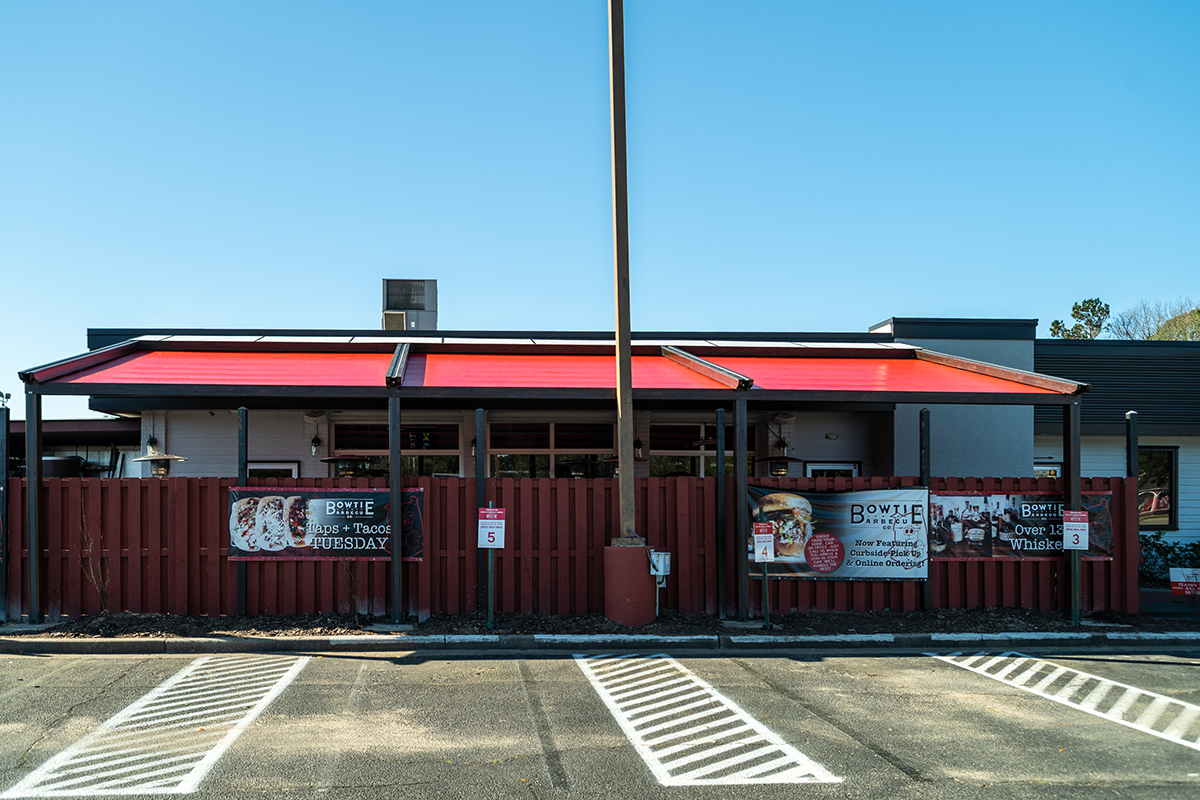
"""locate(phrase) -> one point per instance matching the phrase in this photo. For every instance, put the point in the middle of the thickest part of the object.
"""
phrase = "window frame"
(854, 466)
(554, 451)
(294, 466)
(1172, 523)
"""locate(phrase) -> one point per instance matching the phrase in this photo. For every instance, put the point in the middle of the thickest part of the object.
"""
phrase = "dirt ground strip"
(669, 624)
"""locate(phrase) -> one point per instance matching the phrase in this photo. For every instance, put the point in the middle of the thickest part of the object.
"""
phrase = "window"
(425, 450)
(1158, 480)
(690, 449)
(372, 438)
(273, 469)
(829, 469)
(551, 450)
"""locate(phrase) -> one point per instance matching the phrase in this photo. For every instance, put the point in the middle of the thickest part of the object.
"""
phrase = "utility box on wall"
(409, 305)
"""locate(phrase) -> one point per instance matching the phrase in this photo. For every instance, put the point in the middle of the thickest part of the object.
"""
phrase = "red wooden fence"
(158, 545)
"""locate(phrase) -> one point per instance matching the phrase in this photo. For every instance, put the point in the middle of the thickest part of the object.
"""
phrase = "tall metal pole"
(395, 483)
(243, 478)
(721, 513)
(4, 514)
(33, 491)
(740, 536)
(620, 199)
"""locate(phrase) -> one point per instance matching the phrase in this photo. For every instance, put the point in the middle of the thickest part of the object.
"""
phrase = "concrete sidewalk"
(726, 642)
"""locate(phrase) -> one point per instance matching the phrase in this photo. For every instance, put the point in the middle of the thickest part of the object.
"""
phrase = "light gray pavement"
(490, 724)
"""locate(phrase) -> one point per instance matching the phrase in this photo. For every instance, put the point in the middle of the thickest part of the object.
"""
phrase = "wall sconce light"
(473, 448)
(160, 463)
(779, 464)
(637, 448)
(316, 442)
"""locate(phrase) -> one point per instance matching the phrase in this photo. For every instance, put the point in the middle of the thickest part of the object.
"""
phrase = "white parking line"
(1148, 712)
(640, 690)
(167, 740)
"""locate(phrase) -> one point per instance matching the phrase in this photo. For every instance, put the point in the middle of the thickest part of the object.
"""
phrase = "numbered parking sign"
(764, 542)
(491, 528)
(1075, 530)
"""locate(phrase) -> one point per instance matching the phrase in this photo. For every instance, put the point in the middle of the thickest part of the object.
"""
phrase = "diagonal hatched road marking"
(687, 732)
(1148, 712)
(167, 740)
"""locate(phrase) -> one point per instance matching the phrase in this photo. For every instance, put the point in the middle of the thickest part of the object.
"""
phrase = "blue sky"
(792, 165)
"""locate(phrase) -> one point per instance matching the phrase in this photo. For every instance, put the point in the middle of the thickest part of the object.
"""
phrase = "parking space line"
(1142, 710)
(672, 697)
(166, 741)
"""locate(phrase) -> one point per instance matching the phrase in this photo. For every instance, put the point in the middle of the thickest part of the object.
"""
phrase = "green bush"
(1158, 556)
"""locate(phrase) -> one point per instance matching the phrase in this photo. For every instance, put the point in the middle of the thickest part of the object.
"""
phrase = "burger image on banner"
(790, 516)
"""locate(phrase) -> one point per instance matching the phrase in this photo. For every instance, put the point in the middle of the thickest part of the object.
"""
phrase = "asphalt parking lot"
(837, 724)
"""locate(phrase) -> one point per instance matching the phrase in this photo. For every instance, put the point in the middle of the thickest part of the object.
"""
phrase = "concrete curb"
(405, 642)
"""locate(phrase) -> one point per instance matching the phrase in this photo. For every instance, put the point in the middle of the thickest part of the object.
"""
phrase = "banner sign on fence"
(295, 524)
(1185, 580)
(876, 535)
(973, 525)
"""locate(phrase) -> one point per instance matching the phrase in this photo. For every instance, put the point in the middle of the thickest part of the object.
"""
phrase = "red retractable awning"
(869, 375)
(171, 367)
(462, 370)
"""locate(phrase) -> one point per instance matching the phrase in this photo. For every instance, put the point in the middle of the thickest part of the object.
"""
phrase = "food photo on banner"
(871, 535)
(294, 524)
(971, 525)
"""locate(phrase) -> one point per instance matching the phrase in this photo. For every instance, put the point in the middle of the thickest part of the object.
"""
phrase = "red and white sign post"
(1075, 530)
(764, 552)
(491, 537)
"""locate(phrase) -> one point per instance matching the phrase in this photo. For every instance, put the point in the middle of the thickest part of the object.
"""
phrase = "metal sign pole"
(766, 601)
(491, 590)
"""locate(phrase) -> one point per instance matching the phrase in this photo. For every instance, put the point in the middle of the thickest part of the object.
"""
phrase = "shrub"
(1158, 556)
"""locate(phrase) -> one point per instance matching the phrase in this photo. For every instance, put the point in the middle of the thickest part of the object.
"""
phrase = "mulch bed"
(670, 623)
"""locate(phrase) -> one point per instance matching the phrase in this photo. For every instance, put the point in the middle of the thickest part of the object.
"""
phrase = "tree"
(1090, 317)
(1176, 320)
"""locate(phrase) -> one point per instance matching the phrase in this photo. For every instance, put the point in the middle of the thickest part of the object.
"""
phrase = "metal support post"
(243, 478)
(1073, 498)
(395, 483)
(741, 536)
(721, 513)
(480, 493)
(33, 492)
(1131, 444)
(4, 556)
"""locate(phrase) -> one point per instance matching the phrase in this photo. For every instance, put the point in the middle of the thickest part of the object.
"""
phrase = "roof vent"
(409, 305)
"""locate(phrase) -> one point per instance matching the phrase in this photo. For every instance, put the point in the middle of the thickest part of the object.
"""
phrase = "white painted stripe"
(1154, 636)
(1001, 637)
(157, 745)
(847, 638)
(670, 701)
(1181, 731)
(1096, 696)
(624, 638)
(1153, 712)
(674, 710)
(1183, 722)
(1011, 668)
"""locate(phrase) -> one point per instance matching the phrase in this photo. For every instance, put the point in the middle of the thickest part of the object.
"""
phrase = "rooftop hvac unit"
(409, 305)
